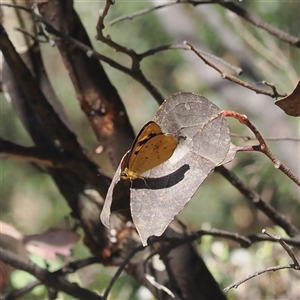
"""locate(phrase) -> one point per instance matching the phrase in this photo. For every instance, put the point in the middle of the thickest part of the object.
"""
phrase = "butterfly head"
(129, 174)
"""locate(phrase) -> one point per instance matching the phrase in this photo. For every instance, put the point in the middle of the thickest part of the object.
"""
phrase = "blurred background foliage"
(31, 201)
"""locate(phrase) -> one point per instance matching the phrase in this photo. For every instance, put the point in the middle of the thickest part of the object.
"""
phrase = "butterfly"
(150, 148)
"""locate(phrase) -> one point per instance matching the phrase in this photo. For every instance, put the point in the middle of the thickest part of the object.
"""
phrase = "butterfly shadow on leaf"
(121, 193)
(163, 182)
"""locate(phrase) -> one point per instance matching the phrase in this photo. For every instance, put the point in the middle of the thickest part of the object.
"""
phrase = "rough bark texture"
(97, 96)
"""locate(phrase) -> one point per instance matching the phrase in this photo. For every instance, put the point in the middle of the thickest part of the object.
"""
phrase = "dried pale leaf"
(291, 103)
(11, 231)
(117, 197)
(53, 241)
(203, 143)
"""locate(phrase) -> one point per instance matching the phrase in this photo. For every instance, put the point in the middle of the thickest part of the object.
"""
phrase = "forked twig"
(133, 72)
(262, 147)
(108, 40)
(124, 264)
(234, 79)
(285, 246)
(289, 251)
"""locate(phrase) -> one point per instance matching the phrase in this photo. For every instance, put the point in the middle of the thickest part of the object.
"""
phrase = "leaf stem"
(262, 147)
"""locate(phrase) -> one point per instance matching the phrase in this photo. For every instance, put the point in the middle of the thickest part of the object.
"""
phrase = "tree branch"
(135, 74)
(135, 70)
(230, 5)
(22, 291)
(45, 157)
(148, 10)
(256, 200)
(79, 163)
(244, 241)
(46, 277)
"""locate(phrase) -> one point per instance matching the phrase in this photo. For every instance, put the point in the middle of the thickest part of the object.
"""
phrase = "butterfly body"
(128, 174)
(150, 148)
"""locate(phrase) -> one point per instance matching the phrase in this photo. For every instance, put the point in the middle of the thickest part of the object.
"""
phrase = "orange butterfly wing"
(150, 148)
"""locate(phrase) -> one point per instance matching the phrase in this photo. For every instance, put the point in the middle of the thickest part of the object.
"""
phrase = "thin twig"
(150, 278)
(136, 74)
(136, 58)
(120, 269)
(262, 147)
(289, 251)
(45, 34)
(153, 51)
(141, 12)
(244, 241)
(271, 269)
(74, 266)
(108, 41)
(148, 10)
(271, 139)
(255, 198)
(237, 70)
(175, 242)
(256, 21)
(149, 257)
(233, 78)
(33, 37)
(28, 9)
(103, 13)
(272, 86)
(158, 49)
(285, 246)
(230, 5)
(262, 238)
